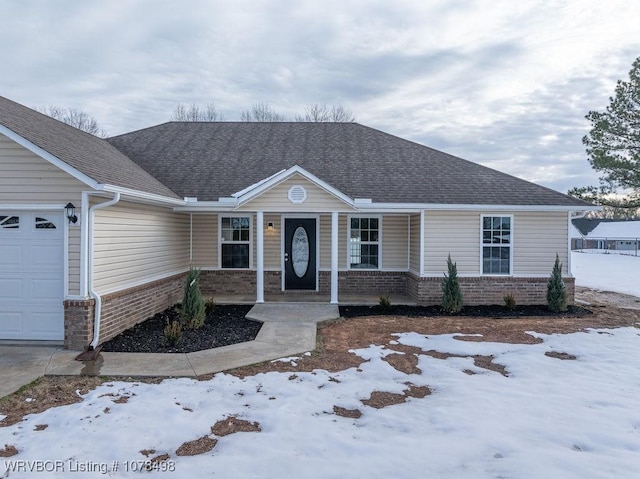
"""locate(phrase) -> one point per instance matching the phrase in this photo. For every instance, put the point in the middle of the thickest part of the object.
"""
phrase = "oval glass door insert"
(300, 251)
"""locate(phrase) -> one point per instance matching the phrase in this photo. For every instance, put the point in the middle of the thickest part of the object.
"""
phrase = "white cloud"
(486, 80)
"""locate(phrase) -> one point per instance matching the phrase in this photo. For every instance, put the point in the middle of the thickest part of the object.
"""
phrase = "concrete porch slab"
(294, 312)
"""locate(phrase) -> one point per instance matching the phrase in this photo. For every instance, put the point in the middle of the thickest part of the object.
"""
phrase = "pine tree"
(192, 311)
(556, 289)
(452, 299)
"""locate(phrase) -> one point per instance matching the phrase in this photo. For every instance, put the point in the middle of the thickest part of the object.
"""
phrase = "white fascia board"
(443, 207)
(45, 155)
(207, 207)
(286, 174)
(31, 206)
(147, 197)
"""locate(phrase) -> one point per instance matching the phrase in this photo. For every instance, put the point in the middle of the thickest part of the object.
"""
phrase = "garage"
(31, 275)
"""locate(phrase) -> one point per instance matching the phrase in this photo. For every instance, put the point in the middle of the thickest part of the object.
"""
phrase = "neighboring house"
(607, 234)
(261, 208)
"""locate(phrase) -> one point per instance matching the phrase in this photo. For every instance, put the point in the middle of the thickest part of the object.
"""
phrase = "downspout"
(92, 293)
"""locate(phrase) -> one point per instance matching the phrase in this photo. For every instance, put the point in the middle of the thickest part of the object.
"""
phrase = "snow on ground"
(548, 418)
(607, 272)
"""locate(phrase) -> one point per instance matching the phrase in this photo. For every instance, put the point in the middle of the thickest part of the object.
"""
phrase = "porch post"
(260, 257)
(334, 258)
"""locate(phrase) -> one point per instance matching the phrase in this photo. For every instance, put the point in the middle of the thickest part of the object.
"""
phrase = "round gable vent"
(297, 194)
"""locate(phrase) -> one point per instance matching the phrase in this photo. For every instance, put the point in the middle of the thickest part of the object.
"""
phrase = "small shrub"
(209, 307)
(384, 302)
(509, 302)
(173, 333)
(452, 299)
(192, 310)
(556, 289)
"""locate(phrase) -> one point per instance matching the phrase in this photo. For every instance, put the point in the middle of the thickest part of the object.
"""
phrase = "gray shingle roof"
(212, 160)
(91, 155)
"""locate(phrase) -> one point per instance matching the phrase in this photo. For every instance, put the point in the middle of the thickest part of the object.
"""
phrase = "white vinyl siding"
(538, 237)
(394, 243)
(276, 199)
(135, 244)
(455, 233)
(272, 243)
(25, 178)
(205, 241)
(325, 242)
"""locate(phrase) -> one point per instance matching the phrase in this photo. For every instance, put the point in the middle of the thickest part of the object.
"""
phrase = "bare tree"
(77, 118)
(194, 112)
(323, 113)
(261, 112)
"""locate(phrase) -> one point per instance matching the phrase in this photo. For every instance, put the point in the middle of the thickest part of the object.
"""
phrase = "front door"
(300, 253)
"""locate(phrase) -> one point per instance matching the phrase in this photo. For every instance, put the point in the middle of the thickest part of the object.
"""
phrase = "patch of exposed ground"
(43, 394)
(403, 362)
(598, 298)
(8, 450)
(344, 412)
(484, 362)
(233, 424)
(560, 355)
(380, 399)
(197, 446)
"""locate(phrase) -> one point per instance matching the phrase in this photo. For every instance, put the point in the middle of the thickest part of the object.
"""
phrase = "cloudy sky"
(500, 82)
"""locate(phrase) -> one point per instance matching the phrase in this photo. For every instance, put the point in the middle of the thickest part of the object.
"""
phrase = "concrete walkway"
(288, 329)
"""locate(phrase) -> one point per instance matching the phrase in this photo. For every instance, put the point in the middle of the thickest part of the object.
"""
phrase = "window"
(43, 223)
(235, 240)
(9, 222)
(496, 244)
(364, 243)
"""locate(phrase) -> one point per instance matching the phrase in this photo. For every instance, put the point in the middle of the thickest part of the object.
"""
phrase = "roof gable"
(88, 158)
(294, 189)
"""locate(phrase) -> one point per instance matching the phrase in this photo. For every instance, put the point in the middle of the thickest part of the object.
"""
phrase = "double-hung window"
(497, 240)
(235, 241)
(364, 243)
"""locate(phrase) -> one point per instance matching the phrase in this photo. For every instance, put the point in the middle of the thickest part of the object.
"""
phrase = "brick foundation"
(372, 282)
(124, 309)
(128, 307)
(486, 290)
(78, 323)
(120, 310)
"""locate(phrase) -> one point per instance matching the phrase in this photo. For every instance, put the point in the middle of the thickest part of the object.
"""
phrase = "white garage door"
(31, 275)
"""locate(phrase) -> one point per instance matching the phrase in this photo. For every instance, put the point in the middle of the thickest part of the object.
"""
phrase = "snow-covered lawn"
(607, 272)
(549, 418)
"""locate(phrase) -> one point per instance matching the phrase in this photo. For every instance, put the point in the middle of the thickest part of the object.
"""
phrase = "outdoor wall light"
(270, 226)
(70, 211)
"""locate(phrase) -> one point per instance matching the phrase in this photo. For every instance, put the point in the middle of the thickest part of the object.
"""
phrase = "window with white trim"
(235, 241)
(364, 243)
(496, 244)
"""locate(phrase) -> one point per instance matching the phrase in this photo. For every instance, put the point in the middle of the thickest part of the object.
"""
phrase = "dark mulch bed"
(224, 326)
(493, 311)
